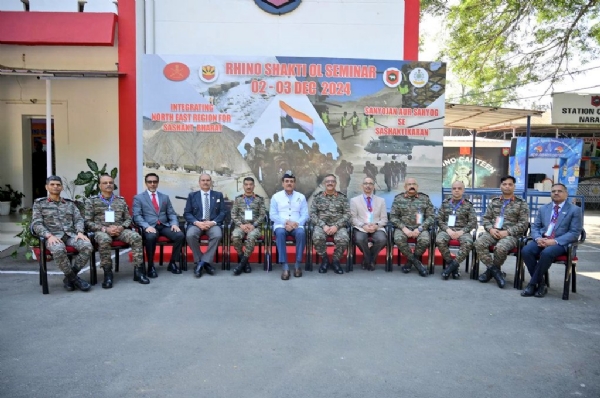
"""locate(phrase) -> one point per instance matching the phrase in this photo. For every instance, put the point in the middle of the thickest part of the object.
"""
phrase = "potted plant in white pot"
(9, 198)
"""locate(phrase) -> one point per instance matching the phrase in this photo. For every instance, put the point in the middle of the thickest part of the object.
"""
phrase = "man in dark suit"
(556, 225)
(204, 213)
(153, 212)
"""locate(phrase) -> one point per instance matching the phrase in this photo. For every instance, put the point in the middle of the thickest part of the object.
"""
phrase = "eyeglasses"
(107, 183)
(368, 183)
(151, 181)
(329, 181)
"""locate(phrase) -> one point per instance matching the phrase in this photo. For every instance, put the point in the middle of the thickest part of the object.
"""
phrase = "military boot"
(486, 276)
(68, 285)
(499, 277)
(337, 268)
(240, 267)
(420, 267)
(451, 268)
(247, 267)
(79, 283)
(324, 265)
(408, 266)
(139, 275)
(108, 279)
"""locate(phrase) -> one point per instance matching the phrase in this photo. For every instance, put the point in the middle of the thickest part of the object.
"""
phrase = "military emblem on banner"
(596, 100)
(505, 151)
(278, 7)
(392, 77)
(208, 73)
(176, 71)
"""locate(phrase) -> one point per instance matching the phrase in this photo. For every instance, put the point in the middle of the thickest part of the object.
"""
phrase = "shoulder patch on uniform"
(40, 199)
(341, 193)
(257, 195)
(67, 199)
(239, 196)
(422, 193)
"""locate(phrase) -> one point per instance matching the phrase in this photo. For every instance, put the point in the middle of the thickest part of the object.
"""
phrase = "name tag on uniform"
(499, 222)
(109, 216)
(248, 214)
(451, 220)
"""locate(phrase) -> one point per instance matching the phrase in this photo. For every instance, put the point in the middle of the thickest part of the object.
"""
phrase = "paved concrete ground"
(355, 335)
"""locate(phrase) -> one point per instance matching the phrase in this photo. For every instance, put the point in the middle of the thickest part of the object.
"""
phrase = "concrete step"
(8, 243)
(10, 222)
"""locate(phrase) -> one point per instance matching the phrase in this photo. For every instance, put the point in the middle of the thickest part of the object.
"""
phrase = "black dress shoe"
(420, 267)
(139, 275)
(337, 268)
(529, 290)
(152, 272)
(108, 280)
(541, 291)
(198, 269)
(407, 267)
(247, 269)
(210, 270)
(173, 268)
(285, 275)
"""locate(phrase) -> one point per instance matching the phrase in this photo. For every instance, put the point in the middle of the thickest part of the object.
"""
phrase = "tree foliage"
(496, 44)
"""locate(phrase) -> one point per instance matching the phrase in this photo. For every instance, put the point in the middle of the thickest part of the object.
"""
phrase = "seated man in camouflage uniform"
(505, 221)
(330, 214)
(107, 215)
(412, 215)
(58, 220)
(248, 215)
(457, 218)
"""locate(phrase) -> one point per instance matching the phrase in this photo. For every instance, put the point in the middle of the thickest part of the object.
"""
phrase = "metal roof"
(475, 117)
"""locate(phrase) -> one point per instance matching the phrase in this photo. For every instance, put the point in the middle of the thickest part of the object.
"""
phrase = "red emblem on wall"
(596, 100)
(176, 71)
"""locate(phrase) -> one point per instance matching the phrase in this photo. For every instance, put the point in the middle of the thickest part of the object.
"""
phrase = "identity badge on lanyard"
(452, 217)
(248, 211)
(419, 218)
(500, 219)
(109, 215)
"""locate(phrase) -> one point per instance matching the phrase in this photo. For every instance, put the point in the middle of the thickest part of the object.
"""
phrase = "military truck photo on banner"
(236, 116)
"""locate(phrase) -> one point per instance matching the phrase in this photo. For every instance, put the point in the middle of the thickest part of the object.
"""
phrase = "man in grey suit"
(556, 225)
(204, 213)
(153, 212)
(369, 218)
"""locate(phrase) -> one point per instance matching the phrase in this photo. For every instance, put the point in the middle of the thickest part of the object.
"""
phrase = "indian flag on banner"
(293, 119)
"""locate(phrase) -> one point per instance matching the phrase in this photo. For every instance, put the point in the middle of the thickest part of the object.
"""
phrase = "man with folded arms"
(557, 224)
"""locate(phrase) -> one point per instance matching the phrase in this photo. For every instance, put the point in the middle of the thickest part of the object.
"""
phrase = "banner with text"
(238, 116)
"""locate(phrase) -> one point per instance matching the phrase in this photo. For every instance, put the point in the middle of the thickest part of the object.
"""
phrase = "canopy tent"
(475, 117)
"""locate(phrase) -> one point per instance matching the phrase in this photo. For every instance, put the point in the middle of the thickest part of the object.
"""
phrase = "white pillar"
(48, 128)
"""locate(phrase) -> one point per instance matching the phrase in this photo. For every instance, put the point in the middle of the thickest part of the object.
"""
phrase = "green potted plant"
(91, 179)
(27, 238)
(9, 198)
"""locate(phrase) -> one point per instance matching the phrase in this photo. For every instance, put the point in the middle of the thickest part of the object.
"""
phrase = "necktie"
(206, 214)
(553, 221)
(369, 207)
(154, 202)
